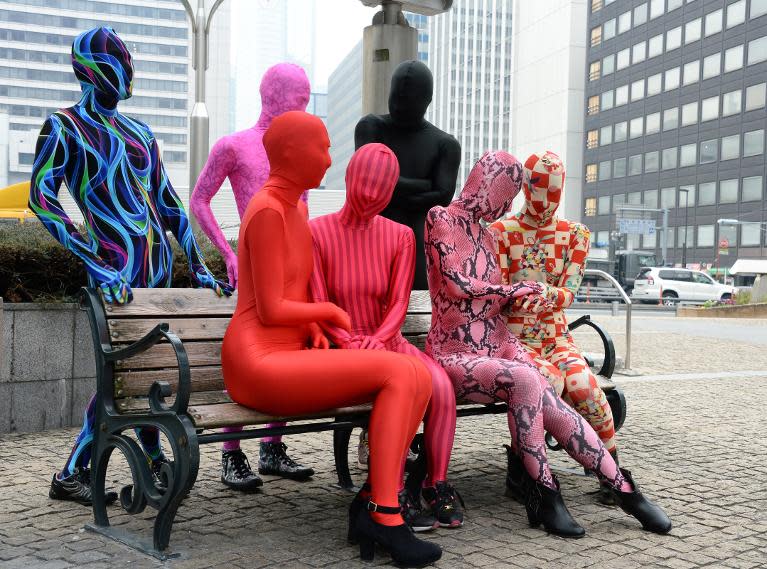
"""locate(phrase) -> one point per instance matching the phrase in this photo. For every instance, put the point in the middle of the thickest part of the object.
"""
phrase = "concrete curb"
(758, 310)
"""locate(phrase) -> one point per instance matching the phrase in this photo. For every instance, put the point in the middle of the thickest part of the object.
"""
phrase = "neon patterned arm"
(574, 267)
(220, 163)
(502, 249)
(318, 292)
(52, 158)
(400, 285)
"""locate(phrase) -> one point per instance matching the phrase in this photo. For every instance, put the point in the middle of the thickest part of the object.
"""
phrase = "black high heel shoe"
(404, 547)
(545, 506)
(651, 516)
(357, 505)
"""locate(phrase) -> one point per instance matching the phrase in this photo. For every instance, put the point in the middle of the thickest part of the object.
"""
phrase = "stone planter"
(758, 310)
(47, 372)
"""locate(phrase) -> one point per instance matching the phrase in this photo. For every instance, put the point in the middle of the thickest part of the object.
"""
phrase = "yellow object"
(14, 202)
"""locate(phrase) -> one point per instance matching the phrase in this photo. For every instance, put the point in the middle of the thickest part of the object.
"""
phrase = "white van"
(678, 285)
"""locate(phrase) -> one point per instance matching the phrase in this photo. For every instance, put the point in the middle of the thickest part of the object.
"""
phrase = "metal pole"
(664, 244)
(608, 277)
(686, 211)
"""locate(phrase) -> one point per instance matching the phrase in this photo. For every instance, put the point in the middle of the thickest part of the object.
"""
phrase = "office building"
(675, 119)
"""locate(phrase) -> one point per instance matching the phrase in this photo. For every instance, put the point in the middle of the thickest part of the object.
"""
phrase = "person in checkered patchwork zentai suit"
(536, 245)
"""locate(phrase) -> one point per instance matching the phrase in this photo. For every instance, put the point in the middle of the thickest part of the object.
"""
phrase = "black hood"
(412, 86)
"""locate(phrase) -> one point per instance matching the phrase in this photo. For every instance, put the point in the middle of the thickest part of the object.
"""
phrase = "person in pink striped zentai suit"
(364, 263)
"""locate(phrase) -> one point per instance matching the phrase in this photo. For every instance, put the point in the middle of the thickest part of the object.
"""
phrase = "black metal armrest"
(608, 365)
(155, 335)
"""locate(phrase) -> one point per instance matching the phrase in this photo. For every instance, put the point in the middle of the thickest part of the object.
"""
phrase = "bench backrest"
(199, 318)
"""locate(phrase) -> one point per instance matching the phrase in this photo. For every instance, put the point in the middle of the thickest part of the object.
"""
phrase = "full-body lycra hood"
(103, 66)
(284, 87)
(544, 180)
(370, 179)
(412, 86)
(491, 186)
(297, 146)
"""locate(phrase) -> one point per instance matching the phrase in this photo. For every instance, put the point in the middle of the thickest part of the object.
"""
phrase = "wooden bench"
(158, 363)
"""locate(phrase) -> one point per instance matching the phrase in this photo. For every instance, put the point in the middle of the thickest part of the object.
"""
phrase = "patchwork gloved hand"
(543, 299)
(204, 279)
(116, 290)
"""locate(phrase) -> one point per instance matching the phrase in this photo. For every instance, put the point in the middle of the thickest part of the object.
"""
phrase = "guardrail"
(620, 294)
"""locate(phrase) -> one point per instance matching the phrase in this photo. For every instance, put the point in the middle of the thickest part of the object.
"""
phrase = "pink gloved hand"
(531, 297)
(230, 258)
(361, 342)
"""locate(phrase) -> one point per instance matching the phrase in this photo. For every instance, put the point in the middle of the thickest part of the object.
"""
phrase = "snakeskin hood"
(284, 87)
(491, 186)
(370, 179)
(543, 183)
(103, 64)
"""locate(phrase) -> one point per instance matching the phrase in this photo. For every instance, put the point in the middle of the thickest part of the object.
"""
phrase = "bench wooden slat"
(416, 324)
(131, 329)
(159, 302)
(162, 356)
(132, 383)
(233, 415)
(201, 398)
(420, 301)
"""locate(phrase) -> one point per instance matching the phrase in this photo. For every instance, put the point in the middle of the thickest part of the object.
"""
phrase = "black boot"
(274, 460)
(605, 494)
(545, 506)
(404, 547)
(652, 517)
(236, 472)
(515, 476)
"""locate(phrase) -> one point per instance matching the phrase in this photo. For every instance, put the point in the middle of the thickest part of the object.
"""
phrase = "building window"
(673, 5)
(709, 109)
(753, 143)
(736, 13)
(705, 236)
(653, 123)
(651, 161)
(711, 65)
(707, 193)
(713, 23)
(602, 237)
(654, 83)
(621, 95)
(607, 100)
(728, 191)
(623, 58)
(690, 113)
(618, 201)
(606, 135)
(619, 168)
(634, 198)
(708, 151)
(591, 173)
(752, 189)
(755, 96)
(731, 147)
(672, 79)
(640, 14)
(624, 22)
(635, 165)
(636, 127)
(590, 207)
(604, 170)
(684, 236)
(596, 36)
(596, 5)
(671, 118)
(733, 58)
(751, 234)
(655, 46)
(608, 64)
(604, 205)
(668, 158)
(691, 72)
(757, 50)
(692, 30)
(593, 107)
(656, 8)
(592, 139)
(687, 196)
(594, 70)
(608, 29)
(620, 131)
(688, 155)
(650, 198)
(667, 198)
(758, 8)
(673, 38)
(731, 103)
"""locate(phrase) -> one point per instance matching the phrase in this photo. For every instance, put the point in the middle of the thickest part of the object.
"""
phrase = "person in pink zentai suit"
(486, 362)
(241, 158)
(365, 263)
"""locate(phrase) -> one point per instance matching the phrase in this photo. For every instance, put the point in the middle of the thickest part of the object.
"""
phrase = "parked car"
(677, 285)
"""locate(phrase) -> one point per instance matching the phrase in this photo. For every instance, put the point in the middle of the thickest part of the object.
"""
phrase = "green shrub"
(743, 297)
(34, 267)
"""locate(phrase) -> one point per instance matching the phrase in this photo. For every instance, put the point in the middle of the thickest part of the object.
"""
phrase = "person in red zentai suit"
(275, 357)
(364, 263)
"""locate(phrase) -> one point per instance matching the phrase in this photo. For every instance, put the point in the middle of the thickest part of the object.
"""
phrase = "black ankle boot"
(404, 547)
(652, 517)
(273, 459)
(515, 476)
(605, 495)
(545, 506)
(357, 505)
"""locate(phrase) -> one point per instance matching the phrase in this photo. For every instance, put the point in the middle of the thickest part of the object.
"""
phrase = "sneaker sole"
(295, 477)
(451, 525)
(253, 486)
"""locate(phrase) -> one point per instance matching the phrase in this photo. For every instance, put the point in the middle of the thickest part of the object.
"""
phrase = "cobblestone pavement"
(695, 444)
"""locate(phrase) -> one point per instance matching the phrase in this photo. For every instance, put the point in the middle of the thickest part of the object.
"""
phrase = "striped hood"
(370, 179)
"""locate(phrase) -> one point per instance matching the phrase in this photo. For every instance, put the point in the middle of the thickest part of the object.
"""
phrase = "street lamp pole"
(199, 122)
(686, 227)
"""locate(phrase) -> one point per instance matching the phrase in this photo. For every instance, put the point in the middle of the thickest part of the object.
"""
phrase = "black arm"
(608, 365)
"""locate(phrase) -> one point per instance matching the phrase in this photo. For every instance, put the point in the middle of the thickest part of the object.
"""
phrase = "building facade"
(675, 119)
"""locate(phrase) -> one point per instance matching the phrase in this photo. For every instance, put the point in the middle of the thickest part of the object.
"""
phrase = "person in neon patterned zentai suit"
(486, 362)
(112, 167)
(241, 158)
(536, 245)
(364, 263)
